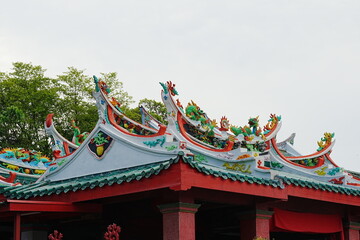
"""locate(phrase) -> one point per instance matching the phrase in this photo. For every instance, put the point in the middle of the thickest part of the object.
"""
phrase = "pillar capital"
(256, 214)
(353, 225)
(351, 230)
(178, 207)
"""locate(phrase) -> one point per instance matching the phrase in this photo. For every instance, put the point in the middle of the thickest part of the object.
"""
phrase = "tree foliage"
(76, 102)
(155, 108)
(28, 95)
(117, 89)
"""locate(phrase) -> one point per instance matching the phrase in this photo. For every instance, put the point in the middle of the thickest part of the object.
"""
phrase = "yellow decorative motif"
(37, 171)
(243, 156)
(321, 171)
(272, 122)
(249, 138)
(213, 123)
(325, 141)
(241, 167)
(12, 167)
(232, 138)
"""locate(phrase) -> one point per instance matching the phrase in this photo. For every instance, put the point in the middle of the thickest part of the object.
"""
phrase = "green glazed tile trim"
(146, 171)
(320, 186)
(230, 175)
(82, 183)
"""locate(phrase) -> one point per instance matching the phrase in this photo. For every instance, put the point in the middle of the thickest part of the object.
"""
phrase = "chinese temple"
(188, 179)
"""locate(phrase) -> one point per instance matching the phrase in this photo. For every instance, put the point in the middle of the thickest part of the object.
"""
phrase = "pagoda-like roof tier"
(190, 152)
(281, 186)
(47, 188)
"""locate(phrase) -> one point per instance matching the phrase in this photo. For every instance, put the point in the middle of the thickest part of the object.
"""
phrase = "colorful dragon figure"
(33, 158)
(178, 103)
(325, 141)
(337, 180)
(101, 85)
(78, 137)
(37, 157)
(169, 86)
(248, 131)
(272, 122)
(116, 103)
(194, 112)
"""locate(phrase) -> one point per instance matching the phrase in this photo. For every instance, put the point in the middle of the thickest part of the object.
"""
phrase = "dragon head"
(171, 88)
(254, 122)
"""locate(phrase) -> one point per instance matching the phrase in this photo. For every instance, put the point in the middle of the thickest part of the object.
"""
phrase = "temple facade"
(190, 178)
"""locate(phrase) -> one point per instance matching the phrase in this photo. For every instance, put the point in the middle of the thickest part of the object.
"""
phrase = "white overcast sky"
(299, 58)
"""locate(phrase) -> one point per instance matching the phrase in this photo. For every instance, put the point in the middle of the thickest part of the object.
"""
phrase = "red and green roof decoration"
(120, 150)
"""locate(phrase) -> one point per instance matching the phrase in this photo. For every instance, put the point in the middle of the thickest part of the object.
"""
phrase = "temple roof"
(141, 173)
(120, 151)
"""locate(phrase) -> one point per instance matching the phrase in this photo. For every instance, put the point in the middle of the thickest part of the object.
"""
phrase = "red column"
(255, 224)
(17, 227)
(179, 220)
(352, 231)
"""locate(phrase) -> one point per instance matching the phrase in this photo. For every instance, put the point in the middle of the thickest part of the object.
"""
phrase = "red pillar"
(17, 227)
(255, 224)
(179, 220)
(352, 231)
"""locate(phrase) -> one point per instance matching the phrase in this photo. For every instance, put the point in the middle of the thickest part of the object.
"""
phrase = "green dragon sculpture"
(78, 137)
(248, 131)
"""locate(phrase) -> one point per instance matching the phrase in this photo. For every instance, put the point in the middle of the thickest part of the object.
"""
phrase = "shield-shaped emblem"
(100, 144)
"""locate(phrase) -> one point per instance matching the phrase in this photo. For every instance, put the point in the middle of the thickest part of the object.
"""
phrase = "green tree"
(133, 113)
(27, 97)
(11, 118)
(117, 89)
(155, 108)
(76, 102)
